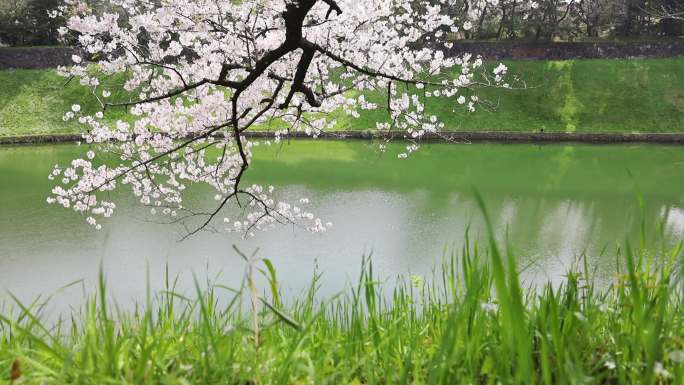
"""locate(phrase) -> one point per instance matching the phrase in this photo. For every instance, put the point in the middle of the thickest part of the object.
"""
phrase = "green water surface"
(551, 204)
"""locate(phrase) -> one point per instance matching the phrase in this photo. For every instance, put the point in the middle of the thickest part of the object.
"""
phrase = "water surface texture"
(553, 204)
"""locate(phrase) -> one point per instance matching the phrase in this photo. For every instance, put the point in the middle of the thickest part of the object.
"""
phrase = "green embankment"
(570, 96)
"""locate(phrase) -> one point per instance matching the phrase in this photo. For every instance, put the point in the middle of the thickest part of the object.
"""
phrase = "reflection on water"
(550, 205)
(674, 220)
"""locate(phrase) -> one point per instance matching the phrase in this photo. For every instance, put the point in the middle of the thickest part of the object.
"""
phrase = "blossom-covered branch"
(202, 73)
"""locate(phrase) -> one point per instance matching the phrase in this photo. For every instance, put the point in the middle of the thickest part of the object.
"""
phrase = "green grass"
(576, 95)
(33, 102)
(571, 96)
(452, 329)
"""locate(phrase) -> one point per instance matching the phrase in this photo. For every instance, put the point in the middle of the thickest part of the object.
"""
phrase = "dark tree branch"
(300, 76)
(333, 7)
(160, 97)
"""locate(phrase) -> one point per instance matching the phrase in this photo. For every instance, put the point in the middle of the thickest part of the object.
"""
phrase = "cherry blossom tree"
(206, 72)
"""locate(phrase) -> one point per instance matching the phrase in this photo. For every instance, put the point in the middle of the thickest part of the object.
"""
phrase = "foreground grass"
(454, 330)
(578, 95)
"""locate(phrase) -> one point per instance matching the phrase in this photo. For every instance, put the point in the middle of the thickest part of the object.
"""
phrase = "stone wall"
(565, 51)
(35, 57)
(446, 137)
(50, 57)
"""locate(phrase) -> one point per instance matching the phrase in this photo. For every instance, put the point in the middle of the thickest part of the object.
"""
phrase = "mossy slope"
(571, 96)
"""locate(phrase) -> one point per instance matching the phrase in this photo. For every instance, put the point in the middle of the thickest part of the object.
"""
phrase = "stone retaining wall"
(35, 57)
(50, 57)
(446, 137)
(566, 51)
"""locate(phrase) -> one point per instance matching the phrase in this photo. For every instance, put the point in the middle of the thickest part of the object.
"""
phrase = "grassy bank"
(454, 331)
(571, 96)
